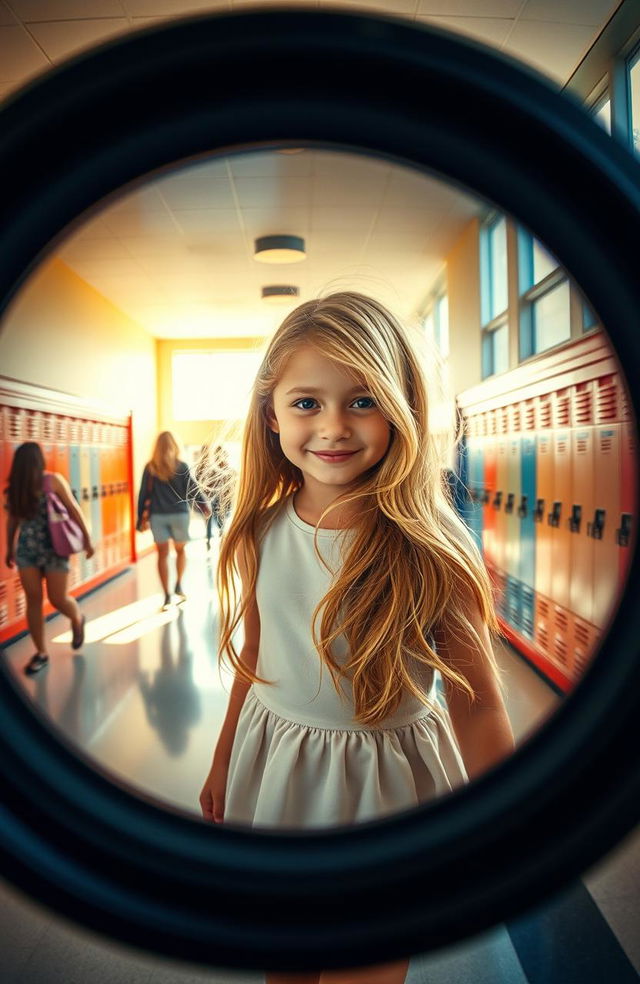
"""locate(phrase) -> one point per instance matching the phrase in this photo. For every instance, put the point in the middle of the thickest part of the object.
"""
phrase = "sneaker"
(78, 635)
(37, 662)
(166, 603)
(178, 590)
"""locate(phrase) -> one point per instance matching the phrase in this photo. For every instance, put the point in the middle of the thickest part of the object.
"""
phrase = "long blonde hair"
(409, 561)
(165, 456)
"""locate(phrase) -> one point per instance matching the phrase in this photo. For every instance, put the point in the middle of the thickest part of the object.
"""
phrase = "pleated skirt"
(288, 775)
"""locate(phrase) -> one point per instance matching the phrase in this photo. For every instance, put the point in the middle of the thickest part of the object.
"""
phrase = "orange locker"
(584, 642)
(544, 625)
(558, 507)
(562, 643)
(582, 502)
(627, 521)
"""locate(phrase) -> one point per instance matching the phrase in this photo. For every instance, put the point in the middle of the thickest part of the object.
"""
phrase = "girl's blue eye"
(364, 403)
(307, 403)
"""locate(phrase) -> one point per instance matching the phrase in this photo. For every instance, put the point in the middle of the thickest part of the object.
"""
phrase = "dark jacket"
(175, 496)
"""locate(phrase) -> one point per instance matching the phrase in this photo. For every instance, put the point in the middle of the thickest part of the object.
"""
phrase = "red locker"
(582, 501)
(604, 521)
(544, 492)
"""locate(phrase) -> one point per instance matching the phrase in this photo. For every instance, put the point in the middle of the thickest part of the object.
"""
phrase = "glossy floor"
(145, 699)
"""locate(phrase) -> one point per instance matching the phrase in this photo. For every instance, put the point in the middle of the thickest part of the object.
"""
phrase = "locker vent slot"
(15, 426)
(560, 650)
(582, 444)
(32, 426)
(61, 430)
(606, 444)
(529, 416)
(503, 420)
(543, 608)
(562, 622)
(48, 427)
(562, 444)
(581, 649)
(4, 606)
(542, 637)
(516, 417)
(491, 423)
(563, 410)
(607, 408)
(583, 406)
(74, 431)
(544, 413)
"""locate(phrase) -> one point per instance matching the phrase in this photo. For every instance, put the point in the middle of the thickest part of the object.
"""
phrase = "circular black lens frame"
(156, 878)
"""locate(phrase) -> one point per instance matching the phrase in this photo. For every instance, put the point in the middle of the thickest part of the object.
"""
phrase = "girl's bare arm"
(212, 796)
(481, 726)
(12, 528)
(63, 491)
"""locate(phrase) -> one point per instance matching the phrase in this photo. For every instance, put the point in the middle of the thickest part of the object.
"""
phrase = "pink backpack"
(66, 536)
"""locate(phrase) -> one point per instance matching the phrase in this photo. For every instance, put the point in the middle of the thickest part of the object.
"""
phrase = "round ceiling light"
(279, 249)
(277, 295)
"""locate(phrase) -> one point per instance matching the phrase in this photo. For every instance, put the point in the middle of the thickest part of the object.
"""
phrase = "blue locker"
(75, 472)
(475, 483)
(526, 509)
(96, 502)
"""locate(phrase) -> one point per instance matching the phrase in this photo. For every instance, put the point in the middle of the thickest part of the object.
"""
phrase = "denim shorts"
(170, 526)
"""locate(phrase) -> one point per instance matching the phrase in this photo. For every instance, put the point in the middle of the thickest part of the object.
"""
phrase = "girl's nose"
(334, 426)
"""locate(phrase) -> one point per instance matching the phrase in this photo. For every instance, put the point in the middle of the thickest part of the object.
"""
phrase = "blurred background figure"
(167, 491)
(217, 479)
(34, 554)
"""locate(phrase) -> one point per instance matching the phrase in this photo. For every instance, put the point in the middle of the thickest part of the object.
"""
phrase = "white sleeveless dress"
(299, 758)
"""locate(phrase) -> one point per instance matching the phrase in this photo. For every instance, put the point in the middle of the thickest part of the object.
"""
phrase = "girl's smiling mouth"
(335, 457)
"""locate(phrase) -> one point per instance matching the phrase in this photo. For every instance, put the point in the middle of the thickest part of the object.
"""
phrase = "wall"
(463, 284)
(61, 333)
(193, 432)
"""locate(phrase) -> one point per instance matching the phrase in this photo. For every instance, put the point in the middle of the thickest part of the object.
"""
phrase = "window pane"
(551, 324)
(543, 262)
(634, 90)
(501, 349)
(498, 266)
(603, 115)
(213, 385)
(442, 324)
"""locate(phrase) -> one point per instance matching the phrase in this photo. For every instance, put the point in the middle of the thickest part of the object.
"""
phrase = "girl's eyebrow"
(312, 389)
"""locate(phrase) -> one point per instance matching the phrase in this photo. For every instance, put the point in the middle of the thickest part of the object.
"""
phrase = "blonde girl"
(167, 491)
(360, 585)
(33, 552)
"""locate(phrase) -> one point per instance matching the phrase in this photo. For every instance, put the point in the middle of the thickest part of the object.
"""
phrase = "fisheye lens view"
(319, 477)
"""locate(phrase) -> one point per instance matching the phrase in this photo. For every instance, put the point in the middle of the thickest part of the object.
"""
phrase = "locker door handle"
(595, 528)
(575, 519)
(85, 494)
(623, 534)
(497, 500)
(74, 492)
(554, 516)
(508, 506)
(486, 497)
(103, 490)
(523, 508)
(94, 492)
(538, 512)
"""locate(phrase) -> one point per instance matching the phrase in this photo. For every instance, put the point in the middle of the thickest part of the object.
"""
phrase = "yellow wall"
(463, 284)
(61, 333)
(191, 432)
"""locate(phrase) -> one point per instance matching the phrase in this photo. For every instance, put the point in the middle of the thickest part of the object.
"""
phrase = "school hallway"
(144, 700)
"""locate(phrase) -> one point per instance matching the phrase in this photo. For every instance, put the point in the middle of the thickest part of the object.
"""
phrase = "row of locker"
(95, 457)
(552, 502)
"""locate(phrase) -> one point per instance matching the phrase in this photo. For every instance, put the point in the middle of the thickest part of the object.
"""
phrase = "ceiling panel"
(176, 253)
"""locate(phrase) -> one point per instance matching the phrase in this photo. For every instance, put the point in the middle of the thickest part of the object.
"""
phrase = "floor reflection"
(145, 698)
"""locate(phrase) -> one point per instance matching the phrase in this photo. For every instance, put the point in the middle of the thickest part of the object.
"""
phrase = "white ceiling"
(177, 255)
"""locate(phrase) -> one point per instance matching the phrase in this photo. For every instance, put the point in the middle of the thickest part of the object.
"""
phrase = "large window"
(494, 296)
(213, 385)
(545, 303)
(634, 98)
